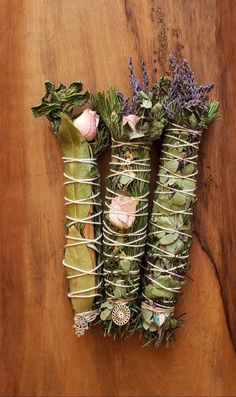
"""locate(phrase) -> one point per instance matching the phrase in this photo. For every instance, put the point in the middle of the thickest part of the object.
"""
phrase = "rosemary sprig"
(129, 177)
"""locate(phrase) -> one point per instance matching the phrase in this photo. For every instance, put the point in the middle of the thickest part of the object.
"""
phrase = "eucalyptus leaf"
(126, 179)
(171, 165)
(189, 169)
(146, 325)
(146, 103)
(164, 221)
(169, 238)
(119, 292)
(147, 315)
(105, 315)
(153, 327)
(161, 293)
(186, 108)
(125, 265)
(179, 199)
(134, 144)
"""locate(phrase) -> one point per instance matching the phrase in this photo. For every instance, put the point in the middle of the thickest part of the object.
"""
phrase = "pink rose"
(132, 120)
(122, 211)
(87, 124)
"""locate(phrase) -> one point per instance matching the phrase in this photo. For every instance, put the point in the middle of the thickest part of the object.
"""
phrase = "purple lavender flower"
(131, 105)
(185, 93)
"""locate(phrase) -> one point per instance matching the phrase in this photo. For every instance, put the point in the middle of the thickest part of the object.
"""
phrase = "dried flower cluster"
(185, 93)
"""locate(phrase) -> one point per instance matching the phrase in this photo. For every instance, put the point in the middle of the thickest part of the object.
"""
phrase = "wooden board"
(91, 40)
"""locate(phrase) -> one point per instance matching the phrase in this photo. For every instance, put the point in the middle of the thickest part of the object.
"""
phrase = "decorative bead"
(159, 319)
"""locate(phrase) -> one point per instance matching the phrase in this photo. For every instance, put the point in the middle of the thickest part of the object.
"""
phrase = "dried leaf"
(179, 199)
(74, 145)
(171, 165)
(79, 257)
(169, 238)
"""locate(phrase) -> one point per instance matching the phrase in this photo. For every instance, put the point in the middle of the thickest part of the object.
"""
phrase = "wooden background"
(91, 40)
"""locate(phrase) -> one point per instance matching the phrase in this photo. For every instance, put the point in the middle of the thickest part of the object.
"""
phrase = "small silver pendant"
(81, 324)
(120, 314)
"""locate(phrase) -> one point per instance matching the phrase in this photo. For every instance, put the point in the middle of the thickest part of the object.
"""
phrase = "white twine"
(141, 166)
(158, 309)
(159, 252)
(93, 219)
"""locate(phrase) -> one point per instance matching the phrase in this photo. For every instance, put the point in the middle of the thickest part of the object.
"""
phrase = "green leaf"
(171, 165)
(153, 327)
(44, 109)
(161, 293)
(169, 238)
(172, 181)
(212, 114)
(148, 291)
(126, 179)
(125, 265)
(147, 315)
(136, 135)
(146, 103)
(107, 305)
(175, 247)
(119, 292)
(187, 184)
(75, 146)
(152, 291)
(78, 256)
(192, 120)
(164, 221)
(142, 127)
(105, 315)
(189, 169)
(179, 199)
(146, 326)
(173, 323)
(60, 99)
(109, 108)
(75, 87)
(120, 239)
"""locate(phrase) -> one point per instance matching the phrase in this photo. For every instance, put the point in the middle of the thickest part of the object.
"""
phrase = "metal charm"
(120, 314)
(81, 324)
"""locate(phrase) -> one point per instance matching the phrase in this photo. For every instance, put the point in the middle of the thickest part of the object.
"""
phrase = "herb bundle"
(82, 257)
(133, 123)
(188, 112)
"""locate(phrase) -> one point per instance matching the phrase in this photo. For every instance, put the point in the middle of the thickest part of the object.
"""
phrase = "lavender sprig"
(132, 104)
(185, 93)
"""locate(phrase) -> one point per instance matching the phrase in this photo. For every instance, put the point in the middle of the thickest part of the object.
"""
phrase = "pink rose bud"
(87, 124)
(132, 120)
(123, 211)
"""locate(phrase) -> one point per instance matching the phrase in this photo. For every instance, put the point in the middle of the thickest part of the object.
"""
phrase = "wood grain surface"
(91, 40)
